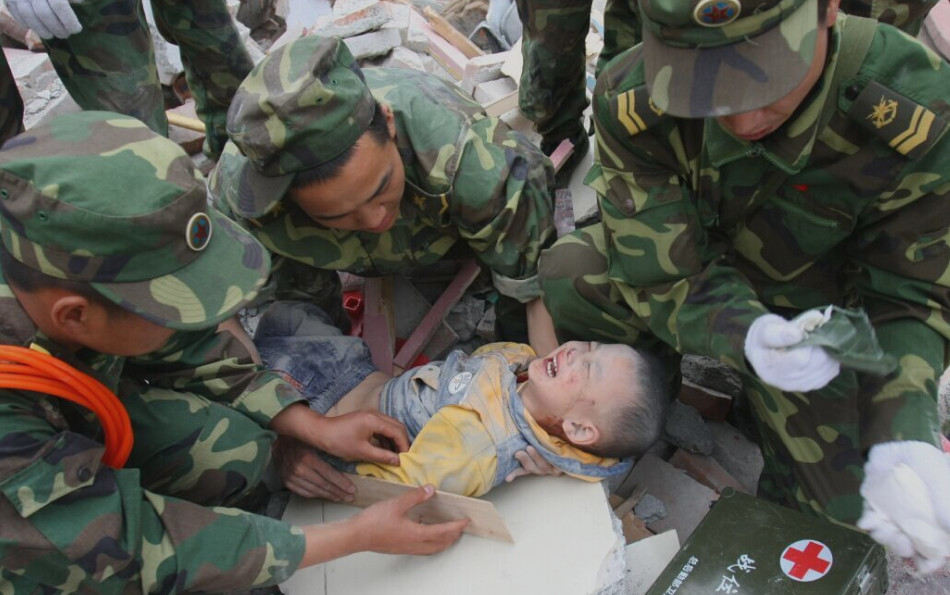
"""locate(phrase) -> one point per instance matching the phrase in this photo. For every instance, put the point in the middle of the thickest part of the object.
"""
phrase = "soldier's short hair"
(640, 422)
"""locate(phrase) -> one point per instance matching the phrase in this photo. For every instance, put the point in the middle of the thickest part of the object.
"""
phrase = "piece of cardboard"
(485, 520)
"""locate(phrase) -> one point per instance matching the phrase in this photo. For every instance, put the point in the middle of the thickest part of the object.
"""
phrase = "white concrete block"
(374, 43)
(481, 69)
(565, 543)
(490, 91)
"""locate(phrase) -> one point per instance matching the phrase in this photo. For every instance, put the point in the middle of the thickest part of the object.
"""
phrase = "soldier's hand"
(388, 528)
(906, 504)
(532, 463)
(770, 346)
(365, 435)
(306, 474)
(48, 18)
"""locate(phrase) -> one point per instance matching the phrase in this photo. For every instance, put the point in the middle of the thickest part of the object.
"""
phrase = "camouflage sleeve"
(217, 366)
(71, 524)
(902, 250)
(672, 274)
(503, 205)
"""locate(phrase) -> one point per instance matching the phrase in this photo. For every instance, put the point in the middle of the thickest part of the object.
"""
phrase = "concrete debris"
(738, 455)
(712, 374)
(465, 316)
(368, 16)
(373, 43)
(685, 428)
(650, 509)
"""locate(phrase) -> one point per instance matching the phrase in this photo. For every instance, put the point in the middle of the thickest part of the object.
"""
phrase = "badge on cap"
(716, 13)
(198, 232)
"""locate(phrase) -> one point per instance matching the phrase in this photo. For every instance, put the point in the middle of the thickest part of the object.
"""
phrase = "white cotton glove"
(906, 493)
(769, 347)
(48, 18)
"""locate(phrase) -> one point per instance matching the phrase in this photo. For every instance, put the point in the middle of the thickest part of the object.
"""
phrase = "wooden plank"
(634, 529)
(505, 105)
(630, 503)
(378, 326)
(446, 54)
(486, 522)
(705, 470)
(451, 34)
(430, 322)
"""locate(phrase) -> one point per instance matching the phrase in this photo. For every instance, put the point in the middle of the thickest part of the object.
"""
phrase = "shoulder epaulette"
(907, 126)
(635, 110)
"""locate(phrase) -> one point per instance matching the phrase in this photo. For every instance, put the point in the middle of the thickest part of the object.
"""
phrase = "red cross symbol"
(806, 560)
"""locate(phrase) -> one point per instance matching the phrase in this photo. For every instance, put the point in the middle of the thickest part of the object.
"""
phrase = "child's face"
(579, 381)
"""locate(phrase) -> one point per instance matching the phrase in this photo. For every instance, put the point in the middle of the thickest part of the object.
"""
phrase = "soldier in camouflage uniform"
(128, 288)
(378, 171)
(817, 173)
(104, 55)
(552, 88)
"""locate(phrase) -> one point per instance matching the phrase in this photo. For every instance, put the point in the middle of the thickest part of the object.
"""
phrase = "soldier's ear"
(390, 119)
(71, 316)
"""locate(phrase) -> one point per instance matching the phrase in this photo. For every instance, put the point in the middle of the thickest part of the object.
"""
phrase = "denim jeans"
(297, 340)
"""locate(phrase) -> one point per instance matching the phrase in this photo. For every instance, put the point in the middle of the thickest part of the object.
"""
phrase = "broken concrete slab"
(491, 91)
(399, 21)
(374, 43)
(565, 541)
(481, 69)
(43, 94)
(686, 500)
(713, 374)
(370, 17)
(738, 455)
(685, 428)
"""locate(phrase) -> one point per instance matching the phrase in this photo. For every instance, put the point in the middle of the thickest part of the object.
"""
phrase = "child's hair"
(639, 423)
(377, 130)
(31, 280)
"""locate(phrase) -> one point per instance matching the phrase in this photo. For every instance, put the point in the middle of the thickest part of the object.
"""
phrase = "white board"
(566, 542)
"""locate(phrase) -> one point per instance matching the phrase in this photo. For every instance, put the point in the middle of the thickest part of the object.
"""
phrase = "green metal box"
(750, 546)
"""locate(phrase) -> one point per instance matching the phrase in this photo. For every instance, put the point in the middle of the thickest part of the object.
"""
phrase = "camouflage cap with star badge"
(718, 57)
(98, 197)
(302, 105)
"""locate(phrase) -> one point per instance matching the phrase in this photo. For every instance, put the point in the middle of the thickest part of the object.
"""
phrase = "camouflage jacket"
(69, 523)
(845, 204)
(468, 177)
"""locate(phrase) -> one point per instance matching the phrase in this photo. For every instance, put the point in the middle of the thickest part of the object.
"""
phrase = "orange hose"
(35, 371)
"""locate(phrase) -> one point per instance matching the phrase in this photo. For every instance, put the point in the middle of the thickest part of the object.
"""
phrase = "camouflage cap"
(719, 57)
(98, 197)
(303, 105)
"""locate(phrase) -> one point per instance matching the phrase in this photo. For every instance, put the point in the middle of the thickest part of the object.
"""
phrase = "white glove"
(906, 493)
(48, 18)
(769, 347)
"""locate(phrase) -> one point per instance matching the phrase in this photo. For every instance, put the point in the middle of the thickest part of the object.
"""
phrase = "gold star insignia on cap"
(716, 13)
